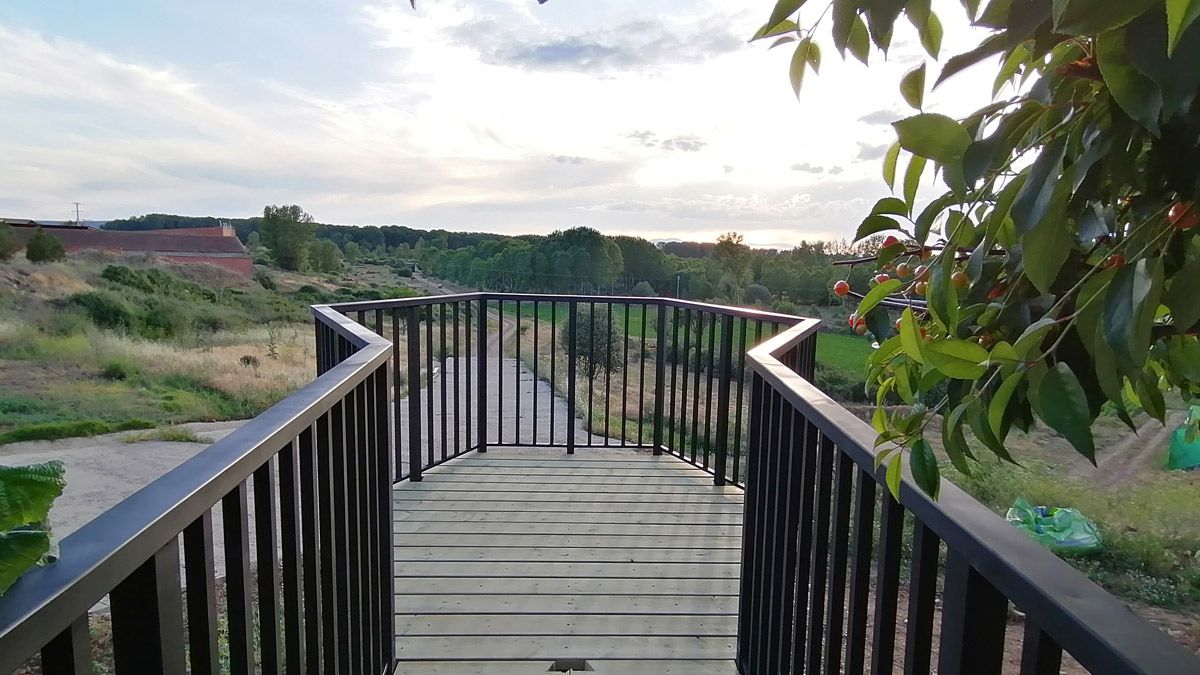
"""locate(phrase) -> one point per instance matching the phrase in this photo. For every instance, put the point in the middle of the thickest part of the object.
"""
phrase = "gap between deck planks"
(508, 561)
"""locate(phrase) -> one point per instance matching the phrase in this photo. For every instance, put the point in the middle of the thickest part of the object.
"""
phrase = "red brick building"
(195, 245)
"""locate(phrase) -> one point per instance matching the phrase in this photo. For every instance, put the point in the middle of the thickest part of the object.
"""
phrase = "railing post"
(660, 375)
(723, 400)
(414, 396)
(481, 374)
(572, 325)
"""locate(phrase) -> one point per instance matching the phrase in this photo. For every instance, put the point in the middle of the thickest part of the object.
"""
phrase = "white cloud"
(485, 114)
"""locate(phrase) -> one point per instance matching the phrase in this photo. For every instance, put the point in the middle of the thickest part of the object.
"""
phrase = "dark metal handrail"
(989, 563)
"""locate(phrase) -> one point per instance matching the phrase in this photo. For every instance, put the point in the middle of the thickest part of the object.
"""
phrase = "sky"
(656, 119)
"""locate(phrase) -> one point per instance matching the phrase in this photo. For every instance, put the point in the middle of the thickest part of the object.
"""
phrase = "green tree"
(352, 252)
(732, 254)
(1060, 261)
(643, 289)
(598, 344)
(8, 242)
(287, 232)
(326, 257)
(44, 247)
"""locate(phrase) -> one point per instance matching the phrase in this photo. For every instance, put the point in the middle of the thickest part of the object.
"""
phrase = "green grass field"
(848, 352)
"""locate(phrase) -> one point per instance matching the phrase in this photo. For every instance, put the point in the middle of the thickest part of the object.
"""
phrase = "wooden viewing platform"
(524, 560)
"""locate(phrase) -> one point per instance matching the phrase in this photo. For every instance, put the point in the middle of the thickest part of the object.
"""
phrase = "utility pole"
(678, 278)
(77, 221)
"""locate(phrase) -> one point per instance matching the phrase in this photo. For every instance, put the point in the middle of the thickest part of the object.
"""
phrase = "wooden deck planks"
(508, 561)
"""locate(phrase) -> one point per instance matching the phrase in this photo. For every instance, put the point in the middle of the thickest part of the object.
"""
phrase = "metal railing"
(826, 548)
(285, 528)
(568, 371)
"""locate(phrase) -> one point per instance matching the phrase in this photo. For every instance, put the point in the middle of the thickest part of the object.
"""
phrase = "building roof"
(151, 241)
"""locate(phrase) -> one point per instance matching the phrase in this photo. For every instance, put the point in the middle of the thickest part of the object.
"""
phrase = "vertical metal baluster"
(537, 372)
(642, 376)
(1040, 654)
(517, 379)
(572, 358)
(843, 492)
(887, 584)
(70, 652)
(386, 544)
(696, 384)
(608, 350)
(341, 422)
(722, 450)
(147, 616)
(200, 575)
(415, 465)
(591, 368)
(310, 553)
(379, 322)
(791, 485)
(268, 576)
(685, 363)
(922, 597)
(625, 378)
(781, 426)
(674, 372)
(364, 532)
(236, 529)
(860, 573)
(442, 360)
(500, 375)
(327, 519)
(553, 360)
(737, 444)
(660, 375)
(708, 386)
(458, 447)
(826, 456)
(974, 616)
(481, 373)
(430, 392)
(398, 410)
(468, 382)
(750, 525)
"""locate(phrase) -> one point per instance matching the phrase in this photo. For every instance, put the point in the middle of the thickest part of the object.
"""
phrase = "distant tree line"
(575, 260)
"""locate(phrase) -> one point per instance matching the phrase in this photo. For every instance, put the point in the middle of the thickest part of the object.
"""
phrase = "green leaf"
(1129, 309)
(20, 550)
(784, 9)
(1182, 297)
(801, 59)
(1000, 400)
(876, 295)
(889, 165)
(924, 466)
(814, 56)
(931, 37)
(1136, 93)
(874, 224)
(1180, 15)
(1152, 399)
(1045, 250)
(895, 472)
(954, 441)
(958, 359)
(979, 425)
(956, 64)
(1062, 405)
(912, 181)
(943, 298)
(910, 336)
(934, 136)
(1031, 203)
(844, 13)
(912, 86)
(1088, 17)
(785, 26)
(1032, 337)
(890, 206)
(27, 492)
(880, 324)
(859, 41)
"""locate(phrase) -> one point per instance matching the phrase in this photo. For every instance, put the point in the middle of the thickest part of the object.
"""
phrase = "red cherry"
(853, 319)
(1115, 260)
(996, 291)
(860, 327)
(881, 278)
(1183, 215)
(841, 288)
(889, 241)
(959, 279)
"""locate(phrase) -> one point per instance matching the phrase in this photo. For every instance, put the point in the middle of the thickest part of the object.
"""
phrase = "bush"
(597, 342)
(8, 242)
(43, 247)
(758, 295)
(841, 384)
(50, 431)
(61, 321)
(163, 319)
(106, 310)
(643, 289)
(120, 368)
(264, 279)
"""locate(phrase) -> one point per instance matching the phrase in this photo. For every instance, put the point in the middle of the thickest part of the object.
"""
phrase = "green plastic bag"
(1060, 530)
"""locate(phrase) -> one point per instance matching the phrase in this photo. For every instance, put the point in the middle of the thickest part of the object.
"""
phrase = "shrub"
(8, 242)
(759, 295)
(106, 310)
(43, 247)
(61, 321)
(643, 289)
(163, 319)
(120, 368)
(264, 279)
(50, 431)
(841, 384)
